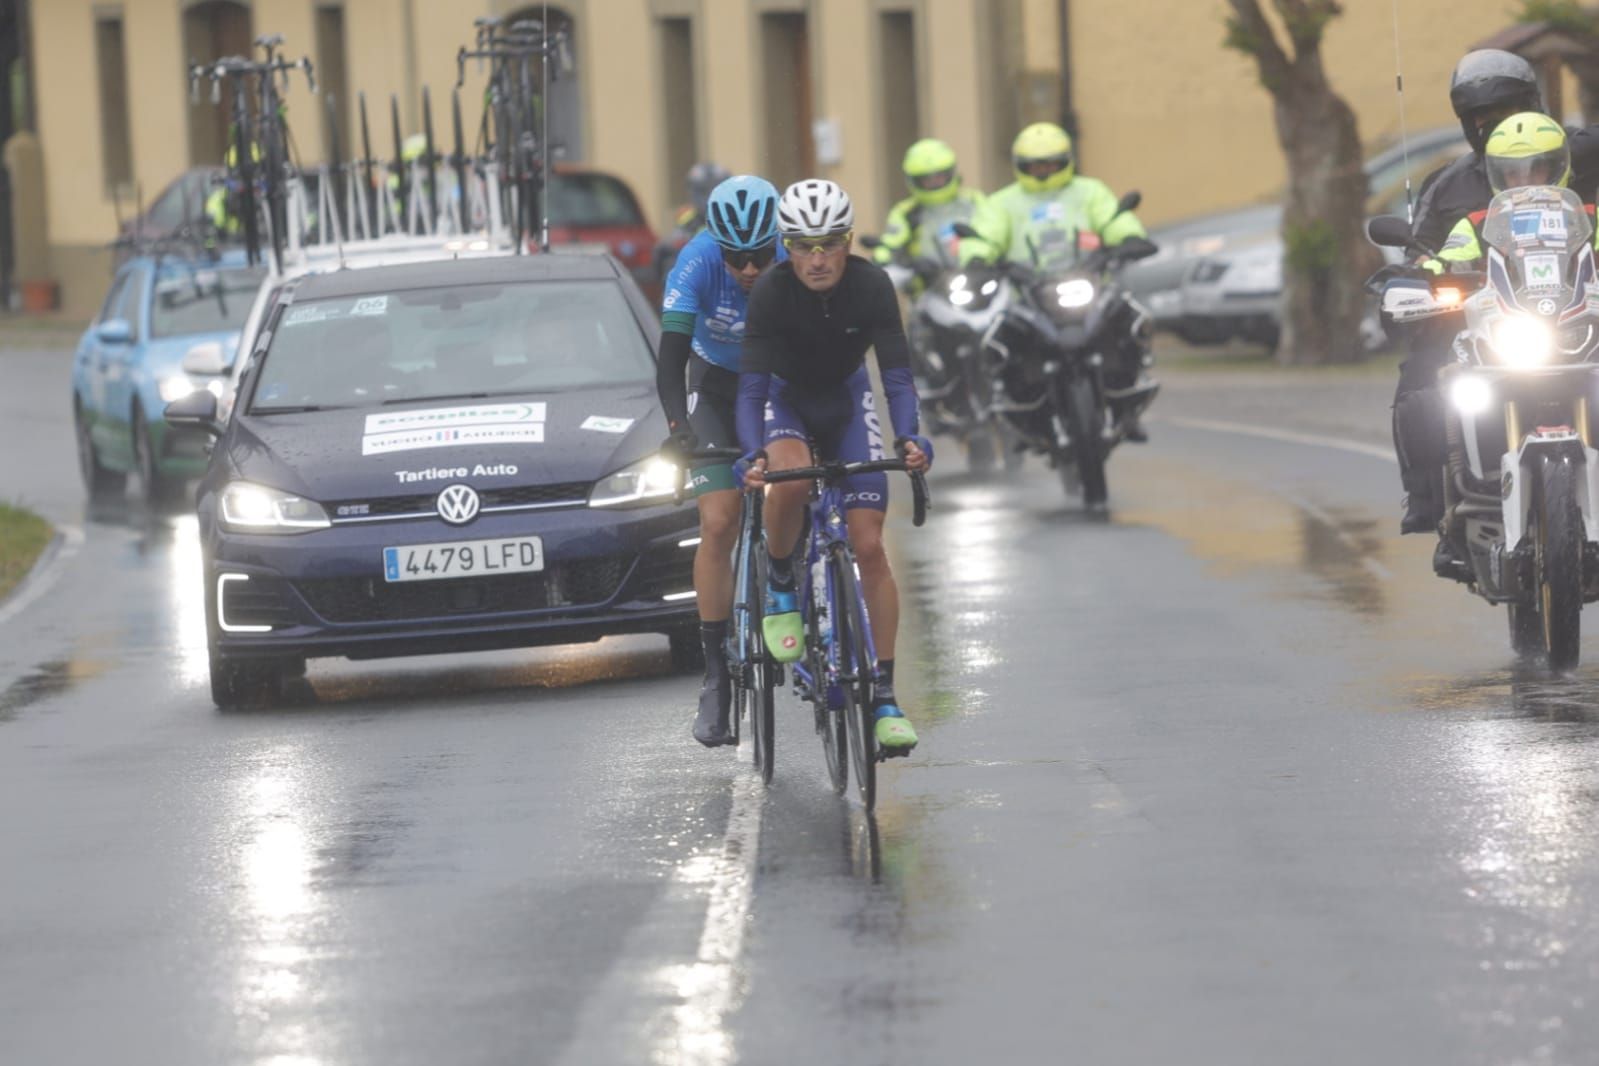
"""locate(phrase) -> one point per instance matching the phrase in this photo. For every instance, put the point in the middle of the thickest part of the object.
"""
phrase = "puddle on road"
(44, 682)
(1255, 531)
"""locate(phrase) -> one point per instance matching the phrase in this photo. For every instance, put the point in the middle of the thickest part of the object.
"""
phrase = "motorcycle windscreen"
(1538, 229)
(1057, 236)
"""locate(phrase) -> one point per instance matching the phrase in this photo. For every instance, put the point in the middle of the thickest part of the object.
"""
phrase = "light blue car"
(168, 326)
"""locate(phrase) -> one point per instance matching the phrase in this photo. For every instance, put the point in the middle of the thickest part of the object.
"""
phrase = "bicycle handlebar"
(834, 471)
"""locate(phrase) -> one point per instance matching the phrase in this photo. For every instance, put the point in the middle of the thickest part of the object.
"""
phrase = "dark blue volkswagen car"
(441, 457)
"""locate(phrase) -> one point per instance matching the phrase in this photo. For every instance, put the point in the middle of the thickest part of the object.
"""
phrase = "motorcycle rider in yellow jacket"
(1049, 217)
(919, 225)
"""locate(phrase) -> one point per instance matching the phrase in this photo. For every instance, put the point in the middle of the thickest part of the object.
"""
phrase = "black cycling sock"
(711, 636)
(884, 692)
(781, 573)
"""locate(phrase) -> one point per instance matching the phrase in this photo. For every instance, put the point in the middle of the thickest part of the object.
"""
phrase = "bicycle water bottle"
(824, 624)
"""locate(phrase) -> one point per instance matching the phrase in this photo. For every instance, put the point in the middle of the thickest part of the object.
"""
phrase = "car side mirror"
(198, 410)
(1129, 202)
(206, 358)
(114, 331)
(871, 242)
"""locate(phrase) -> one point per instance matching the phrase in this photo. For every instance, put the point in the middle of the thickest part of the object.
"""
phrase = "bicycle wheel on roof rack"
(366, 169)
(397, 168)
(462, 200)
(275, 159)
(335, 172)
(431, 192)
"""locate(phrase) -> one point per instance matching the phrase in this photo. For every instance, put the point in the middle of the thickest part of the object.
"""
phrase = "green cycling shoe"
(894, 733)
(782, 627)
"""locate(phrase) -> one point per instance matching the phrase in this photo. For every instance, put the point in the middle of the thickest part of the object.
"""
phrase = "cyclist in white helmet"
(803, 377)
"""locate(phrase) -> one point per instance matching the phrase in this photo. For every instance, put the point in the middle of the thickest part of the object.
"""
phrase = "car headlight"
(178, 386)
(1078, 292)
(175, 388)
(1471, 395)
(250, 508)
(648, 481)
(1522, 341)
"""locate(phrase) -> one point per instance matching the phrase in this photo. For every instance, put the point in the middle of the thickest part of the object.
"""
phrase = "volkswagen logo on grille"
(458, 504)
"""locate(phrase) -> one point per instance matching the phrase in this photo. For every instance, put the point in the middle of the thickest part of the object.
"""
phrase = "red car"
(592, 207)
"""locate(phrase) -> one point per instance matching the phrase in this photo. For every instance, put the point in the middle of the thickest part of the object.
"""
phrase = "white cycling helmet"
(814, 208)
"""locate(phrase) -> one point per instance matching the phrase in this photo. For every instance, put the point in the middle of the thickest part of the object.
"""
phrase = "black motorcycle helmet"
(1491, 83)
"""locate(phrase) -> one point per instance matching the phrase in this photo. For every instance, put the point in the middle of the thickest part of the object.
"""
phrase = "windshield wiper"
(295, 409)
(455, 396)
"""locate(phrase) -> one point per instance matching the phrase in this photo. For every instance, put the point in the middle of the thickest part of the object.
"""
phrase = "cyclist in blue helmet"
(702, 334)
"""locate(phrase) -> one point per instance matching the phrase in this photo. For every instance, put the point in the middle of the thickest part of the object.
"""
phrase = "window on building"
(679, 102)
(786, 60)
(213, 29)
(330, 77)
(565, 102)
(116, 143)
(902, 122)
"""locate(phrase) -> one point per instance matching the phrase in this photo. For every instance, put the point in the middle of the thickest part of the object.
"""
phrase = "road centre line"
(1354, 447)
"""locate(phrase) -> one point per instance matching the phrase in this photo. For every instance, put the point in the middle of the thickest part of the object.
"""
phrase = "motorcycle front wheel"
(1083, 422)
(1557, 562)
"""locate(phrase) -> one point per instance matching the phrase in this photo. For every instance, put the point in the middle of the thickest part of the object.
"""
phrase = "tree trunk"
(1326, 257)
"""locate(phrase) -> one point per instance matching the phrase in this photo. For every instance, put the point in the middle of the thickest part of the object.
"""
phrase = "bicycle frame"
(827, 537)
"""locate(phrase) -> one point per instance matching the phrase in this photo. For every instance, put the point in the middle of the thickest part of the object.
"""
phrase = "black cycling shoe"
(1134, 431)
(710, 724)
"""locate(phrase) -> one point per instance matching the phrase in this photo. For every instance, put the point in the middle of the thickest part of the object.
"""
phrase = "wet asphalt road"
(1226, 778)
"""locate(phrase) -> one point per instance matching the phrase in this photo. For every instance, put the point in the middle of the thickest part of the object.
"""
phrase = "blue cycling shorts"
(845, 425)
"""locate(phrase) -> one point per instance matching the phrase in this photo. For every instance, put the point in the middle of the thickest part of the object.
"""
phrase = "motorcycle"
(1521, 481)
(950, 312)
(1067, 349)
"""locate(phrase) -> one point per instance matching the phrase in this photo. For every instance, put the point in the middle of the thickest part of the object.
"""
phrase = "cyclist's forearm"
(751, 415)
(903, 414)
(669, 378)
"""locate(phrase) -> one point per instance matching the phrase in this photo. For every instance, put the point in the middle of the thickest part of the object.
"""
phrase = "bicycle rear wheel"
(761, 677)
(849, 629)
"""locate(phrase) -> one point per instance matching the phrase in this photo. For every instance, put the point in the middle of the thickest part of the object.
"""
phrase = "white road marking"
(711, 987)
(1354, 447)
(69, 539)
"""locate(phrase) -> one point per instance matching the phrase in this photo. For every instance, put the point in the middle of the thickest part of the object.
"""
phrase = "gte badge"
(458, 504)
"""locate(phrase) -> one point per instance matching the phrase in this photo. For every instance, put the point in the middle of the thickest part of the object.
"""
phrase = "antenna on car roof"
(1404, 138)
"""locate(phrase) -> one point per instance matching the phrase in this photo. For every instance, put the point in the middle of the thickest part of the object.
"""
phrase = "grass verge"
(23, 535)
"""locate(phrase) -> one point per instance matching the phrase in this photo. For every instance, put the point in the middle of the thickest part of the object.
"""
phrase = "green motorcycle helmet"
(930, 172)
(1042, 157)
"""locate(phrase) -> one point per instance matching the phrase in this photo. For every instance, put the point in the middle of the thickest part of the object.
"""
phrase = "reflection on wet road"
(1227, 776)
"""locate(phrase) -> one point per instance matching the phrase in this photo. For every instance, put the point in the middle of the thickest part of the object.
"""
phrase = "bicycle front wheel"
(856, 667)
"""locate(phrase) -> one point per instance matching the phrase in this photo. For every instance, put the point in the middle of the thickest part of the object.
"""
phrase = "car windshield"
(209, 300)
(452, 342)
(592, 200)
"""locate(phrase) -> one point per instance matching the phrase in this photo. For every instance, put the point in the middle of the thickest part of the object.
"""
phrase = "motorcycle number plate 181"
(464, 558)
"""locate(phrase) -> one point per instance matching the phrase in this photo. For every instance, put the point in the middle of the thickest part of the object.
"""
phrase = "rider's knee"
(719, 526)
(867, 544)
(787, 494)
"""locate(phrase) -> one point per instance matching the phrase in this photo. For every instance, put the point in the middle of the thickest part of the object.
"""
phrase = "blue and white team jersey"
(701, 285)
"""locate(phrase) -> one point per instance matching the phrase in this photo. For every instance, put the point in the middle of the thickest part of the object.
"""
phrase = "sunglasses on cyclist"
(761, 256)
(800, 246)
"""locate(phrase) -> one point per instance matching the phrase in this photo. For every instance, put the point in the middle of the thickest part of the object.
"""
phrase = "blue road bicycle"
(838, 673)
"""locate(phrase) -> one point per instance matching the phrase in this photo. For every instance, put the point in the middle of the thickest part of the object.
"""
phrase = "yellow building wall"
(1163, 107)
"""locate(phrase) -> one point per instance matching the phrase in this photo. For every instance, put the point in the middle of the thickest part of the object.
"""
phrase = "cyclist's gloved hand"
(678, 446)
(923, 445)
(743, 465)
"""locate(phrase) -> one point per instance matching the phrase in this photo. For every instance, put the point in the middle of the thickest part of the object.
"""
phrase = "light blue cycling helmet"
(741, 214)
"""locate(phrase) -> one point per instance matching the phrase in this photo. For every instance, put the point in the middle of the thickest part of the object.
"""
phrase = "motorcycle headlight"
(1471, 395)
(251, 508)
(1078, 292)
(648, 481)
(1523, 341)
